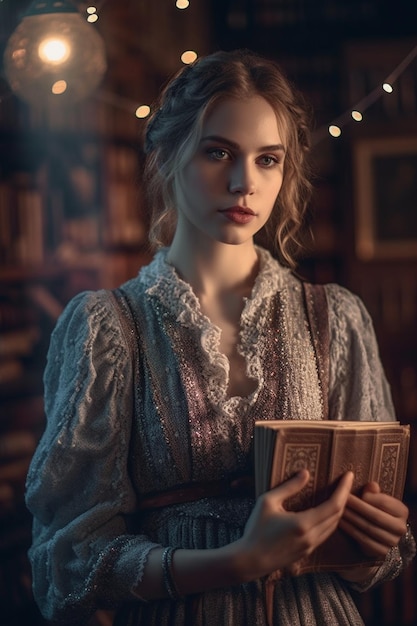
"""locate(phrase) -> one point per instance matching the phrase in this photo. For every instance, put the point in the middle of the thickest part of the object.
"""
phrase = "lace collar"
(161, 281)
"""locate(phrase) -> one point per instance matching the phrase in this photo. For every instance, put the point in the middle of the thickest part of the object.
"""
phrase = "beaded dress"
(105, 446)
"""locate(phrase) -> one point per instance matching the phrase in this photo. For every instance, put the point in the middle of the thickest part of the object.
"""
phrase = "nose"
(242, 178)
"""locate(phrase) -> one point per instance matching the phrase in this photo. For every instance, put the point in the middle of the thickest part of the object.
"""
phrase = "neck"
(215, 268)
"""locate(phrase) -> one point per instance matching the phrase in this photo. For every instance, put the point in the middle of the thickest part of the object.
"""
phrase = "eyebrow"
(273, 147)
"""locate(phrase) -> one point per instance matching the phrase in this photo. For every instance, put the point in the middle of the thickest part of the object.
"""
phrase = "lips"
(238, 209)
(238, 214)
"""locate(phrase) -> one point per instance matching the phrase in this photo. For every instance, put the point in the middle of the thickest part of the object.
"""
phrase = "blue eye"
(268, 160)
(218, 154)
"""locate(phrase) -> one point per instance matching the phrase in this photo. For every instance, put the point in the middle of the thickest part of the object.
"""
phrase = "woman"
(221, 340)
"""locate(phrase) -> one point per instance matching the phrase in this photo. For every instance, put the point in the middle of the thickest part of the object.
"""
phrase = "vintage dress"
(102, 448)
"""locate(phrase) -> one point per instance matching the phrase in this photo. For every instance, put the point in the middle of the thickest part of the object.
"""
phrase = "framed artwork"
(385, 186)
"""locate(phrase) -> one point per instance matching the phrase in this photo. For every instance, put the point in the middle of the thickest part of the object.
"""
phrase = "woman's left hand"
(376, 521)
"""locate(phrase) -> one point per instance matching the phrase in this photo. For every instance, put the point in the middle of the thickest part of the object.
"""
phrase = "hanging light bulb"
(54, 54)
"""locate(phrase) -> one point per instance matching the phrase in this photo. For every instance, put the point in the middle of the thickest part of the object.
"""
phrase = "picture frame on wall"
(385, 194)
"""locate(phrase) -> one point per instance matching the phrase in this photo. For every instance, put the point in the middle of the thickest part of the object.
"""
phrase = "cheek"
(191, 190)
(275, 188)
(199, 181)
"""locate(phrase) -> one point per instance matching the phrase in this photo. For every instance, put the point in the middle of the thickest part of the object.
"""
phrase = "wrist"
(168, 575)
(358, 574)
(245, 564)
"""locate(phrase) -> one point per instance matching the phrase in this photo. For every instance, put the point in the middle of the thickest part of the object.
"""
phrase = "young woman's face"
(229, 188)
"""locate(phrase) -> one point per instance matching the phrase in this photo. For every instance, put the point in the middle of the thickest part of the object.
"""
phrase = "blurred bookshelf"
(71, 219)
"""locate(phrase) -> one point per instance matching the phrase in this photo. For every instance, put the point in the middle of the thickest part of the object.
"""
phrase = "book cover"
(374, 451)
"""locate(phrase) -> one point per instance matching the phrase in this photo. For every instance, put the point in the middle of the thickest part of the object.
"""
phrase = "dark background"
(77, 172)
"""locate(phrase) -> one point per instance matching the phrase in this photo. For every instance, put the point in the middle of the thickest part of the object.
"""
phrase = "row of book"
(34, 222)
(125, 222)
(21, 226)
(19, 334)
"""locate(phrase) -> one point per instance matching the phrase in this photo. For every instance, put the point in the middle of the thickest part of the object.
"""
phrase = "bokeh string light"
(53, 52)
(334, 129)
(142, 111)
(92, 15)
(189, 56)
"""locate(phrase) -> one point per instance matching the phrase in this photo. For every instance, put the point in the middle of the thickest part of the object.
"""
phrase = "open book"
(374, 451)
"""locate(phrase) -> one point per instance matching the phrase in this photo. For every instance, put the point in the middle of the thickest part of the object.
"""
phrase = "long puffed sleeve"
(359, 391)
(78, 487)
(358, 386)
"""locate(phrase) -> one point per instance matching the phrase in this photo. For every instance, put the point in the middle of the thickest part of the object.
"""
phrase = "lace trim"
(178, 298)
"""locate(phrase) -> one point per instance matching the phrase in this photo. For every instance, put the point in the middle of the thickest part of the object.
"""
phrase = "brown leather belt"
(191, 492)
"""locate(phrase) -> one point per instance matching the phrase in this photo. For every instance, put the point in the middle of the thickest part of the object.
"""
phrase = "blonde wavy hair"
(174, 130)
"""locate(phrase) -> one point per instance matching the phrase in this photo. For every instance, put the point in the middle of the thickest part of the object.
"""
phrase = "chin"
(235, 240)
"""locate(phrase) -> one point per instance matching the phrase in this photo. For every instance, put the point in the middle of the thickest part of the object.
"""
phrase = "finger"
(292, 486)
(343, 489)
(326, 527)
(370, 546)
(372, 517)
(388, 534)
(324, 518)
(387, 503)
(333, 507)
(339, 497)
(371, 504)
(316, 529)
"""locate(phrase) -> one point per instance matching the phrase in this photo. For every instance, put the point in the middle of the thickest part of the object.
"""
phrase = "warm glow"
(92, 18)
(143, 111)
(387, 87)
(335, 131)
(182, 4)
(189, 56)
(91, 10)
(50, 47)
(357, 116)
(59, 87)
(54, 50)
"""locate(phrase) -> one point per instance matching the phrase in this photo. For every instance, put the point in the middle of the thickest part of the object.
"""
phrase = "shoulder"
(358, 385)
(83, 310)
(352, 333)
(90, 323)
(88, 340)
(346, 309)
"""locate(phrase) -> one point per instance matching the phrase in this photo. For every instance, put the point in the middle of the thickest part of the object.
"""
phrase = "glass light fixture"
(54, 55)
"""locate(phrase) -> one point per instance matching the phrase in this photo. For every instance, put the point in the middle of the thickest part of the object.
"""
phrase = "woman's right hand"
(273, 539)
(277, 539)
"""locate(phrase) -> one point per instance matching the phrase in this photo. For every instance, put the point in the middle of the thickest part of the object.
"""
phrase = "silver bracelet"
(170, 587)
